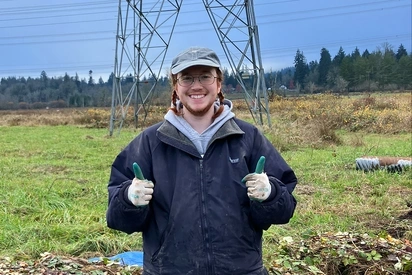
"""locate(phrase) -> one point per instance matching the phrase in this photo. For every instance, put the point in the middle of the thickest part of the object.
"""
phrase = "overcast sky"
(75, 36)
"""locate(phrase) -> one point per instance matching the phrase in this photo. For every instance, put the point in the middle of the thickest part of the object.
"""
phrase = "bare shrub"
(98, 118)
(15, 120)
(284, 137)
(386, 103)
(58, 104)
(52, 121)
(327, 133)
(37, 117)
(24, 105)
(163, 99)
(363, 102)
(315, 119)
(9, 106)
(320, 134)
(39, 105)
(356, 141)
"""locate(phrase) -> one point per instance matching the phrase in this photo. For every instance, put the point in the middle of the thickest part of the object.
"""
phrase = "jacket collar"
(169, 134)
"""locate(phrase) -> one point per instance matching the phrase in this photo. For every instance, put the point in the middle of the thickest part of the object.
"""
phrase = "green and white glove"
(141, 190)
(258, 186)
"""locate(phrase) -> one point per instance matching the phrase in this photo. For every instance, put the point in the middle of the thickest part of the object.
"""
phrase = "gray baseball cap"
(195, 56)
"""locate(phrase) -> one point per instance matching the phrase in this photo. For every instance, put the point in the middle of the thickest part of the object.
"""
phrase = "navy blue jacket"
(200, 219)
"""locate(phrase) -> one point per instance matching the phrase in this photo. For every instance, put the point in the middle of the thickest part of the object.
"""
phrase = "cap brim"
(199, 62)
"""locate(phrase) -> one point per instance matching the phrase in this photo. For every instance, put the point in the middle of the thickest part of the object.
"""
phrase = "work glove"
(141, 190)
(257, 183)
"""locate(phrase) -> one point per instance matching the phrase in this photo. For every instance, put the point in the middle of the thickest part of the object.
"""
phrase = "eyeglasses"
(188, 80)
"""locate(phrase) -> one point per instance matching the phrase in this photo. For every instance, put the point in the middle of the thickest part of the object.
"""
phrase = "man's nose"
(196, 81)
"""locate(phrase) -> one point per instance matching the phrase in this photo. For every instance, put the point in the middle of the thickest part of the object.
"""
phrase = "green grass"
(54, 196)
(334, 196)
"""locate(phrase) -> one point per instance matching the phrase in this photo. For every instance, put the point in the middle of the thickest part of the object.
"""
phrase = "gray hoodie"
(201, 141)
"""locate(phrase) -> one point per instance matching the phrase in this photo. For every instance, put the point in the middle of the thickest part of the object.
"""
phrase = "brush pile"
(338, 253)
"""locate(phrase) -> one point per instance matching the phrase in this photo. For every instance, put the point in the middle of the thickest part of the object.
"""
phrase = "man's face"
(197, 96)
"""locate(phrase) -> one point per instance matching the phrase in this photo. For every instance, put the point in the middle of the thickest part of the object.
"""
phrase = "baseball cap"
(195, 56)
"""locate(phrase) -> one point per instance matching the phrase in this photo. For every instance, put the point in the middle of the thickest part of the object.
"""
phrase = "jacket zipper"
(204, 219)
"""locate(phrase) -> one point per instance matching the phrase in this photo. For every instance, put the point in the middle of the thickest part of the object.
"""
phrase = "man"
(200, 199)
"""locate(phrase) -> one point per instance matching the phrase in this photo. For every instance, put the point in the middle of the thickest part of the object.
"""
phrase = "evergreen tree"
(365, 54)
(313, 66)
(110, 80)
(312, 77)
(355, 54)
(346, 70)
(91, 80)
(401, 52)
(67, 87)
(324, 66)
(388, 68)
(374, 65)
(337, 60)
(44, 79)
(77, 82)
(301, 69)
(232, 79)
(404, 71)
(360, 69)
(357, 66)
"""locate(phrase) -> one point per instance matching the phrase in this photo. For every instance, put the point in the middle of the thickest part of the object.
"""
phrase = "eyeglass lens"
(205, 79)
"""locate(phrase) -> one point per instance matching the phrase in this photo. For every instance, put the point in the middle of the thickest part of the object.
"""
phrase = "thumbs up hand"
(257, 183)
(141, 190)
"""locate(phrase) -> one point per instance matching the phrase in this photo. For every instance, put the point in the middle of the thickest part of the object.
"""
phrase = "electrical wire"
(169, 26)
(80, 7)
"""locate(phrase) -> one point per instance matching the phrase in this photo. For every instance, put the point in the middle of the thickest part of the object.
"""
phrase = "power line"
(335, 14)
(45, 8)
(266, 54)
(54, 35)
(53, 24)
(261, 16)
(188, 24)
(334, 8)
(54, 16)
(58, 41)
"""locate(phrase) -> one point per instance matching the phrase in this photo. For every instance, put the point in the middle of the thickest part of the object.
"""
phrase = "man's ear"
(219, 85)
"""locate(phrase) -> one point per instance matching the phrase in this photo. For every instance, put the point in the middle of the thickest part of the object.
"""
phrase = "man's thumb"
(137, 171)
(260, 165)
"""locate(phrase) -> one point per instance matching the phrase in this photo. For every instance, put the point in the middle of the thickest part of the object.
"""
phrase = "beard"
(198, 112)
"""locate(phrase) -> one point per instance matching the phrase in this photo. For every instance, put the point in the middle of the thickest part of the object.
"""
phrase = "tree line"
(382, 69)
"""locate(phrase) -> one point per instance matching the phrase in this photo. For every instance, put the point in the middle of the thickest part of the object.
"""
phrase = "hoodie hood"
(201, 141)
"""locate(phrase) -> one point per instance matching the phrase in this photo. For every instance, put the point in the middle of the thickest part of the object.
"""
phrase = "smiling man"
(206, 184)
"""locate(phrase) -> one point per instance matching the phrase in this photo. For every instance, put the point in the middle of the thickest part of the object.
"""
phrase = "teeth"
(197, 96)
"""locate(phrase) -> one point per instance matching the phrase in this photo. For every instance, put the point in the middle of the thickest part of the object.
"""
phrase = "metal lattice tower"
(141, 50)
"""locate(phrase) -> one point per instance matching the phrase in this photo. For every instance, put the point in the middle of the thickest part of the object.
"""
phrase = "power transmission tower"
(141, 50)
(237, 30)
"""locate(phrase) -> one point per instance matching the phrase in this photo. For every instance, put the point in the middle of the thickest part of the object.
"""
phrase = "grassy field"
(54, 171)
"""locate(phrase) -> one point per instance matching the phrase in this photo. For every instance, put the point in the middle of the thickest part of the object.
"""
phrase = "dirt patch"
(407, 216)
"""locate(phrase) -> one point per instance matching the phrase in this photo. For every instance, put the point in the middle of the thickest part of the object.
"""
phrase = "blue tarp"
(125, 258)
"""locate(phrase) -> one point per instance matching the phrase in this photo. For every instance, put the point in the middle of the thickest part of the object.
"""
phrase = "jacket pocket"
(156, 259)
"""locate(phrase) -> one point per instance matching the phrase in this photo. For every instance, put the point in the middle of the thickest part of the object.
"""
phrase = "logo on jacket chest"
(235, 160)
